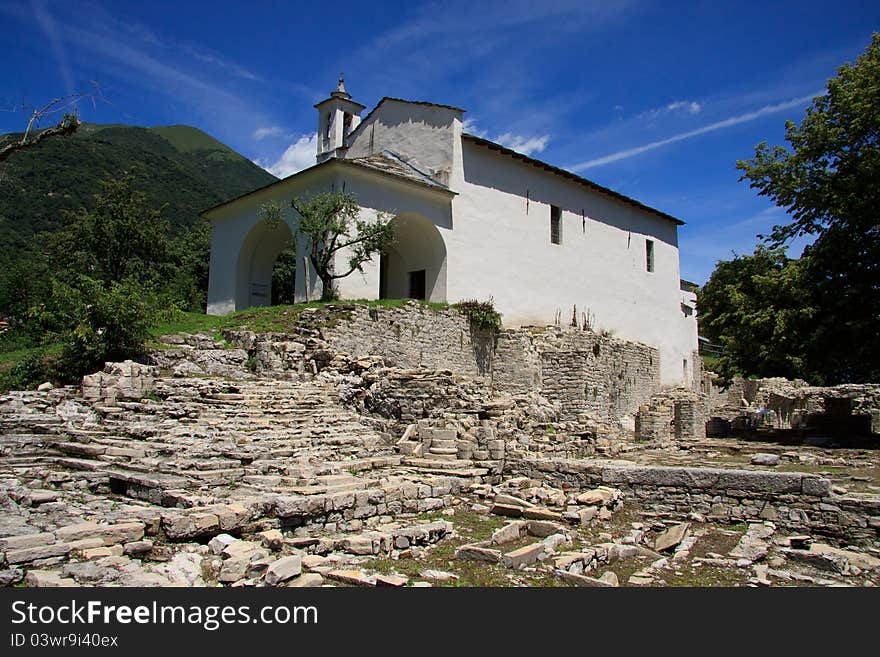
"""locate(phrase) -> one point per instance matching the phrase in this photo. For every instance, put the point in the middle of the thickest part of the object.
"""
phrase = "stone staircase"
(198, 441)
(442, 445)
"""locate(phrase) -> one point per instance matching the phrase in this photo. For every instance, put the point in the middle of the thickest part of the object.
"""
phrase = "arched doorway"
(414, 266)
(256, 260)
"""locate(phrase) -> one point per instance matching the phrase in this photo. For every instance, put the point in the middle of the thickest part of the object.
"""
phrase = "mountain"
(178, 166)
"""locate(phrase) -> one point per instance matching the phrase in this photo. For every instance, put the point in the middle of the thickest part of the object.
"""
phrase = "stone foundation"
(794, 501)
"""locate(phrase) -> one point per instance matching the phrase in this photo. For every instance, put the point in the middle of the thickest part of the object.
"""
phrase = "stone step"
(442, 457)
(443, 450)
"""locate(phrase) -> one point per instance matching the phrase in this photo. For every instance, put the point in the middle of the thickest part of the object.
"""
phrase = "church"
(473, 220)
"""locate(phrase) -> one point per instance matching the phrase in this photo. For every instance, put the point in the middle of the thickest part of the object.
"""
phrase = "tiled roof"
(388, 162)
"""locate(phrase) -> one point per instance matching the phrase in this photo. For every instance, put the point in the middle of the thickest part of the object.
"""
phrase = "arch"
(259, 250)
(415, 262)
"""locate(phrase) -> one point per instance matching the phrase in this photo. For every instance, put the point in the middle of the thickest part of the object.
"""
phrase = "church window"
(649, 255)
(327, 124)
(555, 224)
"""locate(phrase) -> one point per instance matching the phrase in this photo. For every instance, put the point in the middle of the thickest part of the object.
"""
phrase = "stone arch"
(418, 253)
(256, 258)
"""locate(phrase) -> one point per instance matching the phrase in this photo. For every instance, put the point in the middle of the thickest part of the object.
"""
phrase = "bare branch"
(62, 129)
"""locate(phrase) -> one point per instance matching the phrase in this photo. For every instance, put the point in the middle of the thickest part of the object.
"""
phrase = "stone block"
(473, 552)
(283, 569)
(523, 556)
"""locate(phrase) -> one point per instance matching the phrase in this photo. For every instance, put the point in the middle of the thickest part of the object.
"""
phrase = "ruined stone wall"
(796, 405)
(583, 371)
(594, 373)
(516, 366)
(410, 395)
(795, 501)
(414, 336)
(671, 415)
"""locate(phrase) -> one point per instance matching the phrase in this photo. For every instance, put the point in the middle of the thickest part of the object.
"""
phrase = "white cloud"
(688, 106)
(712, 127)
(524, 145)
(519, 143)
(298, 156)
(270, 131)
(470, 126)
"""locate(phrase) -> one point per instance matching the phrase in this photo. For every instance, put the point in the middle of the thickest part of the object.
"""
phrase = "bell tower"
(338, 115)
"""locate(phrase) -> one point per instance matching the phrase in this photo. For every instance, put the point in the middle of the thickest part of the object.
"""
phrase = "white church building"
(473, 220)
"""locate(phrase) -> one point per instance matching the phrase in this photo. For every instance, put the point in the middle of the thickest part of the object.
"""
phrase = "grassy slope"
(269, 319)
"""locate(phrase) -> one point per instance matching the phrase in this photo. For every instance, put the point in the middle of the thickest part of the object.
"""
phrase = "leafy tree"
(284, 277)
(329, 223)
(120, 238)
(760, 309)
(95, 323)
(827, 181)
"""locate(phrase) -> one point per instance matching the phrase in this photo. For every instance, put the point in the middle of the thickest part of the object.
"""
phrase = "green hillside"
(178, 166)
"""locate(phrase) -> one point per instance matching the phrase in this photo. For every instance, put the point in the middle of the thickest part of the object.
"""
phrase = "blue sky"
(654, 98)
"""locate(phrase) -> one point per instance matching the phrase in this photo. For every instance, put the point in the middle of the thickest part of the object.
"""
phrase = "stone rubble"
(302, 460)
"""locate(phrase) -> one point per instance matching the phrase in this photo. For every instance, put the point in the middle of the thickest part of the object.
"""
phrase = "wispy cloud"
(298, 156)
(712, 127)
(218, 61)
(270, 131)
(50, 28)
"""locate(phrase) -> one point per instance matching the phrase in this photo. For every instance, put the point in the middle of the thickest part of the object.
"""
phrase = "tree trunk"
(328, 291)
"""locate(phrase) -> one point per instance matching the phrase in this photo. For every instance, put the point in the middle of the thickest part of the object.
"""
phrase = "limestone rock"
(283, 569)
(765, 459)
(671, 537)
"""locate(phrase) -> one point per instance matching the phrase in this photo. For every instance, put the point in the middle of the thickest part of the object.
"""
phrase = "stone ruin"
(780, 405)
(349, 450)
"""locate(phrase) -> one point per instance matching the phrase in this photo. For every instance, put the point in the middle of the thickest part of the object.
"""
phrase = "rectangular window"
(346, 125)
(417, 284)
(649, 255)
(555, 225)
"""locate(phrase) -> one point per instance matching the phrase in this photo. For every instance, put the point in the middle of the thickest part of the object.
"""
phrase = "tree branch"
(63, 129)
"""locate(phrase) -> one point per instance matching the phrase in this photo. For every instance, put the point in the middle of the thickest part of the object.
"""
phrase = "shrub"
(94, 324)
(29, 372)
(482, 314)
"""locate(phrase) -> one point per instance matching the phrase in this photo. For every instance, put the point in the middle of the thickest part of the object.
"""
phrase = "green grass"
(186, 323)
(469, 528)
(12, 357)
(267, 319)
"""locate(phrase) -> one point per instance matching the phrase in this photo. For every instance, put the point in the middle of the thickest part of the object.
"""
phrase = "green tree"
(330, 223)
(122, 237)
(95, 323)
(759, 308)
(827, 181)
(284, 277)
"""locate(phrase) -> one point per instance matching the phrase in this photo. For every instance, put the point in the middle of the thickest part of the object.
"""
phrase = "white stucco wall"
(243, 250)
(422, 134)
(501, 248)
(242, 247)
